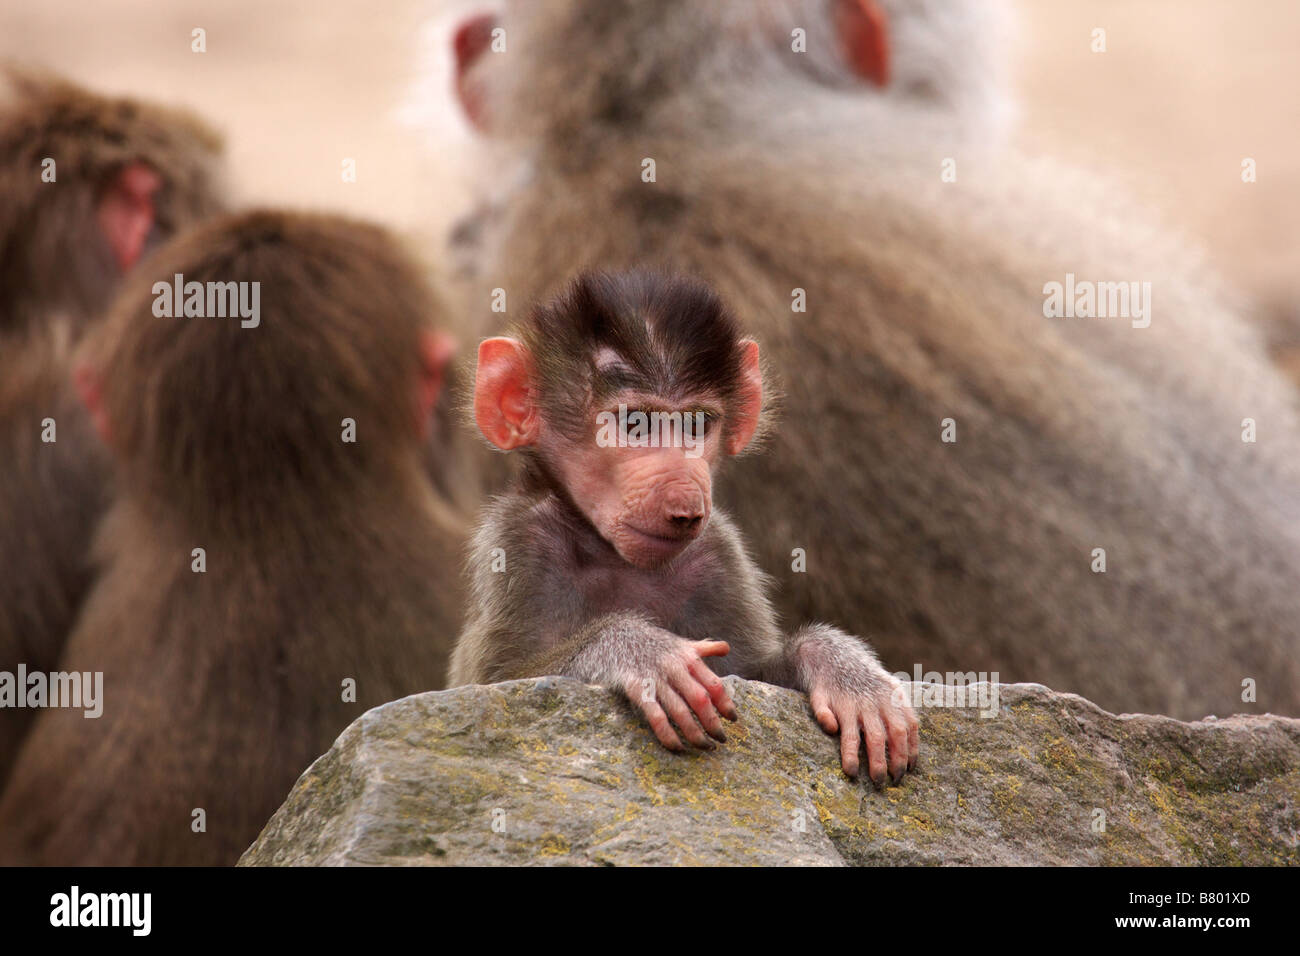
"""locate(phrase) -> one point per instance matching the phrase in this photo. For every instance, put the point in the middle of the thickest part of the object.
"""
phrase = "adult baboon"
(87, 185)
(276, 560)
(963, 474)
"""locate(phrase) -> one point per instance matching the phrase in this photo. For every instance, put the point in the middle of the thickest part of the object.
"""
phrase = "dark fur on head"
(46, 263)
(227, 423)
(673, 337)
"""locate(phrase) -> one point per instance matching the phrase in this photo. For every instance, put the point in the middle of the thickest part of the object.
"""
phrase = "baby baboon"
(607, 561)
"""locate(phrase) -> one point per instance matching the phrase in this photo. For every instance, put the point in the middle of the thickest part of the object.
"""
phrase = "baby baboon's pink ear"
(504, 405)
(749, 400)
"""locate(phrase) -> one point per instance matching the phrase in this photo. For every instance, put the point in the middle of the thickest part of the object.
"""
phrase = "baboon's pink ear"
(436, 350)
(470, 41)
(89, 386)
(126, 211)
(504, 404)
(749, 400)
(863, 31)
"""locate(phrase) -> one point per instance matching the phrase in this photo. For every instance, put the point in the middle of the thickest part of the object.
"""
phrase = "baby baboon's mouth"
(645, 547)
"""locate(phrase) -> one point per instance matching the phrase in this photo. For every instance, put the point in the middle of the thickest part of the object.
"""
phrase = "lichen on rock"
(551, 771)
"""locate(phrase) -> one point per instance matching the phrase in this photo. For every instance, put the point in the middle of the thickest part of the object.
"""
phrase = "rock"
(552, 771)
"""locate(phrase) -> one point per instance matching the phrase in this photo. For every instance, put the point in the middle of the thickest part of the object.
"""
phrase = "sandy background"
(1186, 89)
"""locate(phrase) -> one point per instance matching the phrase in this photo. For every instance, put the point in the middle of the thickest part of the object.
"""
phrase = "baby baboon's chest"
(665, 595)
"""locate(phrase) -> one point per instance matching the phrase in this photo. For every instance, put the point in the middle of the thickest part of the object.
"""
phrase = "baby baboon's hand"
(853, 695)
(663, 674)
(667, 679)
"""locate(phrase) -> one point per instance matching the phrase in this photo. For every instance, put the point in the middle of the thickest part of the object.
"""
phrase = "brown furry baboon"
(87, 185)
(276, 560)
(963, 475)
(624, 397)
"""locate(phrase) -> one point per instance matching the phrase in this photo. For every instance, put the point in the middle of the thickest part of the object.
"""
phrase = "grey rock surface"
(552, 771)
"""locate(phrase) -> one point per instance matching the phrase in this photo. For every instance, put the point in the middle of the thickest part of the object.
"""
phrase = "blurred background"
(1186, 89)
